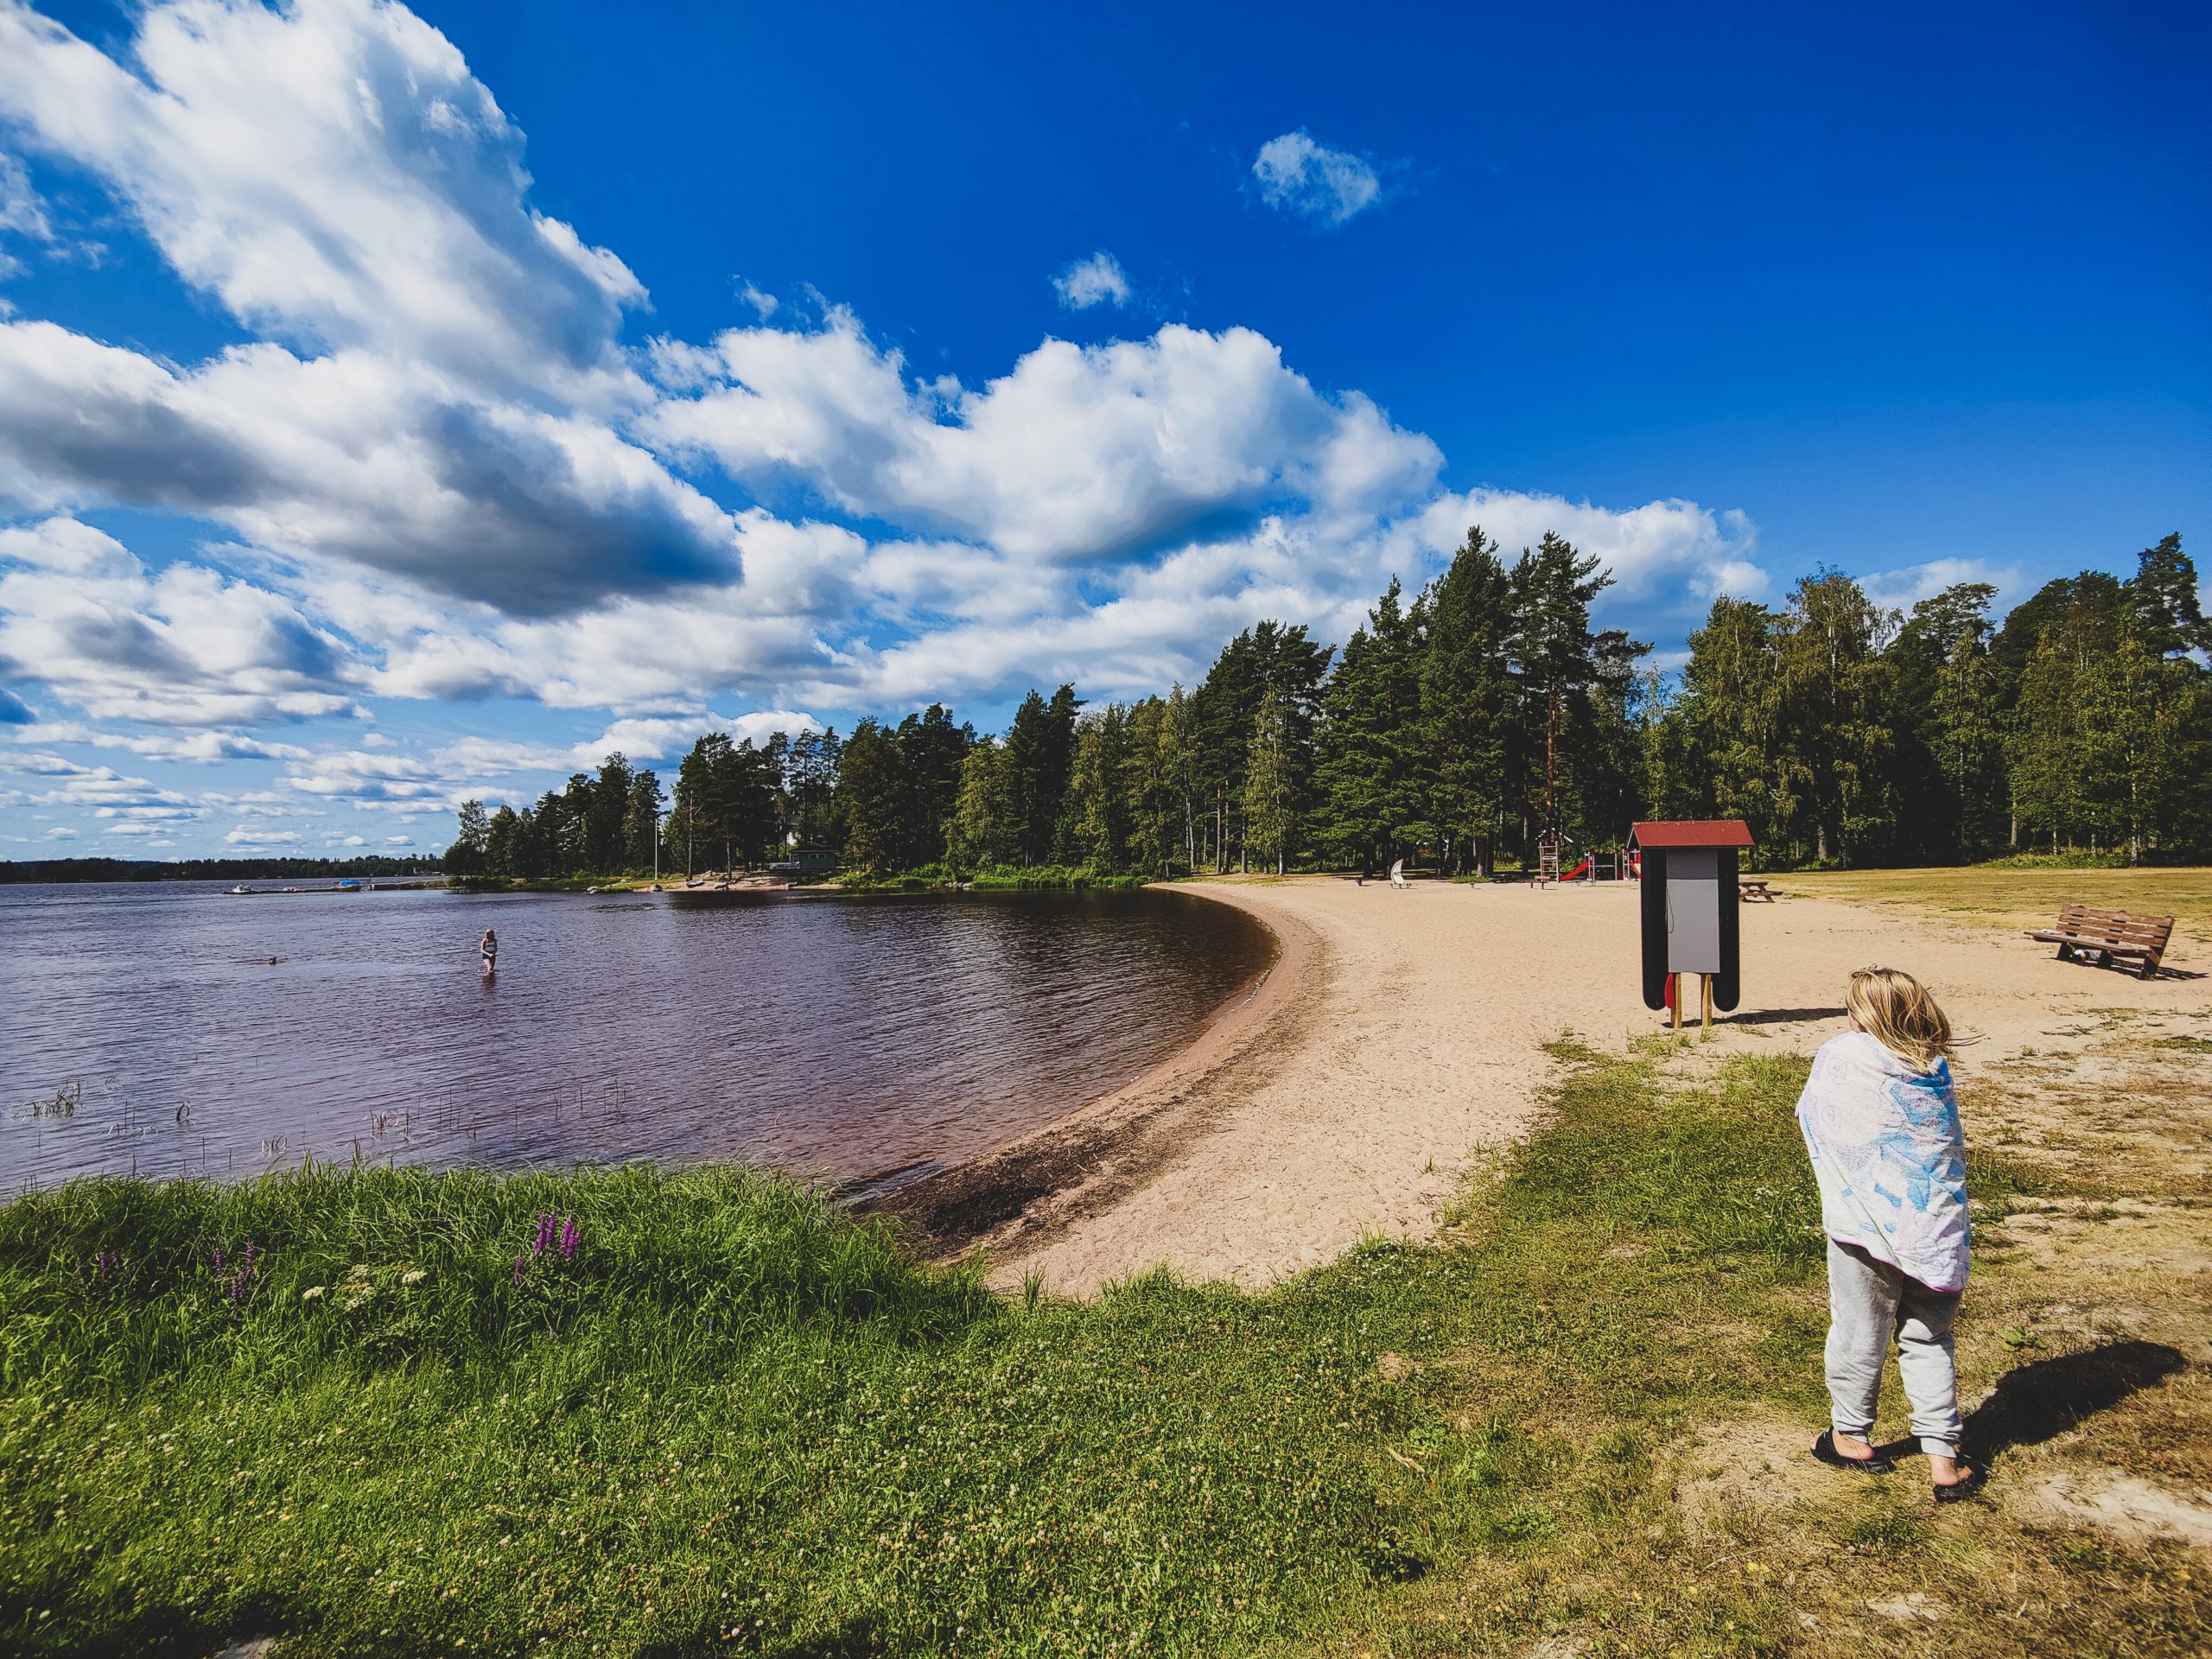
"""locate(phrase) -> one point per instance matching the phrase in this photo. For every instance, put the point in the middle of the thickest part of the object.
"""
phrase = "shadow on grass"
(2037, 1402)
(1780, 1016)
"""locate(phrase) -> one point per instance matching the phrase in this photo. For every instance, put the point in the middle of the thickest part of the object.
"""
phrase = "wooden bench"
(1754, 892)
(2084, 934)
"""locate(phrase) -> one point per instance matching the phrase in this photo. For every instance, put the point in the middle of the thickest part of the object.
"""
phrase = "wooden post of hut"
(1691, 923)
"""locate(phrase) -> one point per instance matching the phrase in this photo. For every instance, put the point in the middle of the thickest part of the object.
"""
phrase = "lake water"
(868, 1038)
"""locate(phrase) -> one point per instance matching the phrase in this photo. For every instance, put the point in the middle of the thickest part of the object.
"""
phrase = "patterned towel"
(1890, 1158)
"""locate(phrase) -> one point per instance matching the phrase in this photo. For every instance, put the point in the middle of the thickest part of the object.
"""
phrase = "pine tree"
(2048, 753)
(1368, 769)
(810, 788)
(1039, 753)
(1156, 783)
(469, 854)
(1938, 663)
(1837, 701)
(1267, 657)
(641, 820)
(984, 829)
(874, 798)
(605, 800)
(505, 843)
(2168, 616)
(1098, 789)
(1968, 743)
(1569, 752)
(932, 751)
(1270, 782)
(1467, 704)
(1730, 712)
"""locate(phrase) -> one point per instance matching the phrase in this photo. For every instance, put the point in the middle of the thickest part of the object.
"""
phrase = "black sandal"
(1959, 1490)
(1824, 1449)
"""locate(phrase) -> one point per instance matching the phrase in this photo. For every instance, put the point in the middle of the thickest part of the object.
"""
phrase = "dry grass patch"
(1987, 893)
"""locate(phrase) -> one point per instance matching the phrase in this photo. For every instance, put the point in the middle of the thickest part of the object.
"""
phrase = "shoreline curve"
(1020, 1196)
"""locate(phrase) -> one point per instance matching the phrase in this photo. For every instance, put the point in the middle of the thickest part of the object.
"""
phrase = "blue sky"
(400, 405)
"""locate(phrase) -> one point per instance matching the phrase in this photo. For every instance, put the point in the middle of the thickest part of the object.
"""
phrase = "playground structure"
(1604, 867)
(1617, 865)
(1690, 907)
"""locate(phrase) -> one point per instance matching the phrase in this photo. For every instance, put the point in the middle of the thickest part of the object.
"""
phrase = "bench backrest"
(2117, 927)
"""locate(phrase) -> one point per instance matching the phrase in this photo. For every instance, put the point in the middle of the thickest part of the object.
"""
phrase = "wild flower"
(545, 1225)
(241, 1282)
(312, 1294)
(569, 1235)
(412, 1276)
(522, 1261)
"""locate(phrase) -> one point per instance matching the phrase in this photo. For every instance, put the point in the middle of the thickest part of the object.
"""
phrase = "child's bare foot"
(1955, 1478)
(1849, 1452)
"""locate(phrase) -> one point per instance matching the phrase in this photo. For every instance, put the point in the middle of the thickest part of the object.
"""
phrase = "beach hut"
(1691, 921)
(808, 862)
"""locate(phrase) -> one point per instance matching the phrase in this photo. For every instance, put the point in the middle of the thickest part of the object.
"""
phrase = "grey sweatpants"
(1870, 1301)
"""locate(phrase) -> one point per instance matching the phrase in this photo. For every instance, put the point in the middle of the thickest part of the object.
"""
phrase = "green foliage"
(1039, 760)
(1461, 724)
(1466, 727)
(1571, 751)
(1268, 659)
(1373, 751)
(1272, 785)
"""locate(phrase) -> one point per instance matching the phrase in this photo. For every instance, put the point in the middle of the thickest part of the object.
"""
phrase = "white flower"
(309, 1295)
(414, 1276)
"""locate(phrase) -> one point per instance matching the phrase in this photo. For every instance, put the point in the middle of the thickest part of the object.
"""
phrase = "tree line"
(1459, 723)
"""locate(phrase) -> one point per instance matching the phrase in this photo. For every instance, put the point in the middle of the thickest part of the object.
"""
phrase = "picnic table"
(1754, 891)
(2104, 936)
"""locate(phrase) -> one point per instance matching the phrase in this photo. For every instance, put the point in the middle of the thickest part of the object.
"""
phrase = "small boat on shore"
(741, 890)
(242, 888)
(349, 885)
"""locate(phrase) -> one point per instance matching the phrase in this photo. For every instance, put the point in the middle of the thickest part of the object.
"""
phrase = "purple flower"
(569, 1237)
(522, 1261)
(545, 1235)
(218, 1259)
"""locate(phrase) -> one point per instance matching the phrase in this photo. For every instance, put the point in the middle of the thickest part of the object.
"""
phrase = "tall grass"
(116, 1284)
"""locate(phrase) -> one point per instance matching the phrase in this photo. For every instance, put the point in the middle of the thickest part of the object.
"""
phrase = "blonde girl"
(1882, 1124)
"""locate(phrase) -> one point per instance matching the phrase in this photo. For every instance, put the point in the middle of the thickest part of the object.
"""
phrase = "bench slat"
(2110, 935)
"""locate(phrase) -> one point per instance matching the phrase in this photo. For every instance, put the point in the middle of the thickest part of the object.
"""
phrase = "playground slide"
(1578, 872)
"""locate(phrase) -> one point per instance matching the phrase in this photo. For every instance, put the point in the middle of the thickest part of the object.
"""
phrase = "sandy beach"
(1400, 1034)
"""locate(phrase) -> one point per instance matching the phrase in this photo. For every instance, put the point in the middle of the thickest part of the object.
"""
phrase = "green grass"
(737, 1421)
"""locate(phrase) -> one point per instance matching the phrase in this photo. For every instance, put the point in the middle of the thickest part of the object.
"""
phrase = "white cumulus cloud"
(433, 469)
(1313, 182)
(1097, 280)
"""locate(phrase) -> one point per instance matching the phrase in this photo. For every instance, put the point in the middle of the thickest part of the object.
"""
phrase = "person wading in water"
(490, 947)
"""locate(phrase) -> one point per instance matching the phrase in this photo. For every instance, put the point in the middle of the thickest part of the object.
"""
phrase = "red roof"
(1692, 832)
